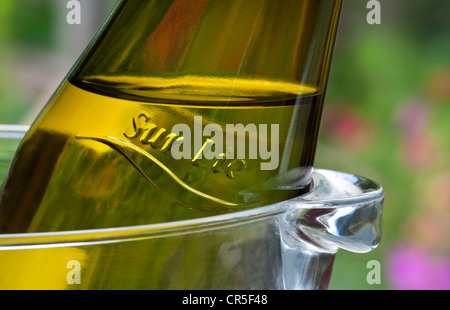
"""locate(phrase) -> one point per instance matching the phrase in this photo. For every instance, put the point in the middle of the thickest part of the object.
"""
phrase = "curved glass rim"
(318, 197)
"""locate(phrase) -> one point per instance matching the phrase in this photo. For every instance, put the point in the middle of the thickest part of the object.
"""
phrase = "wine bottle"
(177, 110)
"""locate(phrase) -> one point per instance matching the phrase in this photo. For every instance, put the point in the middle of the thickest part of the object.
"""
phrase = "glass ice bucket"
(288, 245)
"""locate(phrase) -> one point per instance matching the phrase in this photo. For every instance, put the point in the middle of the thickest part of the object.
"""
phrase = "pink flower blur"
(412, 269)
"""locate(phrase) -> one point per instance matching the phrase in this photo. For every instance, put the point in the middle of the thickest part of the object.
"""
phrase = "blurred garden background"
(386, 117)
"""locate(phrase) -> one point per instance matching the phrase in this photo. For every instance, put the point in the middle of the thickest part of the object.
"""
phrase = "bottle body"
(189, 128)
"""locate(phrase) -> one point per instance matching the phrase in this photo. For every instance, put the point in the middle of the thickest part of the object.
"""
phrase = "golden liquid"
(100, 157)
(93, 158)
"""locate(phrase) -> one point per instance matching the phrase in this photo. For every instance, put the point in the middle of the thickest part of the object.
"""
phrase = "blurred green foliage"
(37, 23)
(380, 70)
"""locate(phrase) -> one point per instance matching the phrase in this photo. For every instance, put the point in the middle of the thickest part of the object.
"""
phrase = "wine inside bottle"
(177, 110)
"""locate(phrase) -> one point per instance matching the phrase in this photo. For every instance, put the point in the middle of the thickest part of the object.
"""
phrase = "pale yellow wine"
(100, 154)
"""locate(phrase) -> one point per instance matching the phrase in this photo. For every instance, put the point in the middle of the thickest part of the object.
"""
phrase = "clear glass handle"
(342, 211)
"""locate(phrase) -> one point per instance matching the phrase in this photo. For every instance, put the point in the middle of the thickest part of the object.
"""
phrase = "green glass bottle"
(176, 110)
